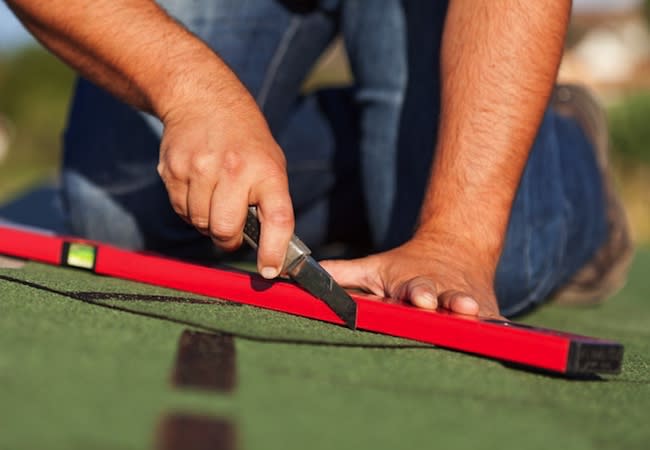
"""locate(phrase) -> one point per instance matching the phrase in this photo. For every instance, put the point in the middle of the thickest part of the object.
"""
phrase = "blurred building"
(608, 47)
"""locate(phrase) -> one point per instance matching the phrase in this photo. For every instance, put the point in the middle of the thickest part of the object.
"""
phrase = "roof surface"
(93, 362)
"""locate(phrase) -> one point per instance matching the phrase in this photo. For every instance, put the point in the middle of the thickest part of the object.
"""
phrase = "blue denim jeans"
(358, 158)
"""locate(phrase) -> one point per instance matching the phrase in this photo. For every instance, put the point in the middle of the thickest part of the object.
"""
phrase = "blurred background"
(608, 49)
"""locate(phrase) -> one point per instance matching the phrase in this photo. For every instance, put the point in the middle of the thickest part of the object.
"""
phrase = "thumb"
(359, 273)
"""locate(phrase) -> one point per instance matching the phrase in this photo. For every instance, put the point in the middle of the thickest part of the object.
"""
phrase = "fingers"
(199, 193)
(177, 192)
(228, 210)
(211, 187)
(459, 302)
(356, 274)
(275, 213)
(370, 274)
(170, 171)
(421, 291)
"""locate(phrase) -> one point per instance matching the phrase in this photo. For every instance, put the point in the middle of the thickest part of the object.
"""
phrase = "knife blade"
(302, 268)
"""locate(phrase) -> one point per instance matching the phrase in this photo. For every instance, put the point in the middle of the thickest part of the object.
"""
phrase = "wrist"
(475, 243)
(470, 215)
(194, 78)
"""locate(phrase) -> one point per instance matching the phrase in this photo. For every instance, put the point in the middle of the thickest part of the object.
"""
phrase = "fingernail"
(427, 298)
(269, 272)
(469, 300)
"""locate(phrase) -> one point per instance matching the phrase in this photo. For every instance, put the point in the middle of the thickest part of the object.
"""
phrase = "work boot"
(606, 272)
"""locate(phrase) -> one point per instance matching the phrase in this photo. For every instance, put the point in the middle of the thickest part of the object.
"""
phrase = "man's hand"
(216, 161)
(499, 61)
(428, 273)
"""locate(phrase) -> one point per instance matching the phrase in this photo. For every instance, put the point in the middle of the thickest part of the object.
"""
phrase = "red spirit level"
(539, 348)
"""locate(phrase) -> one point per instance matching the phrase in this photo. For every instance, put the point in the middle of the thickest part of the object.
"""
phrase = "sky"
(12, 33)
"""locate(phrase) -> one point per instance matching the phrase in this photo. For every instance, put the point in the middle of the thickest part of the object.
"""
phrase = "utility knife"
(302, 268)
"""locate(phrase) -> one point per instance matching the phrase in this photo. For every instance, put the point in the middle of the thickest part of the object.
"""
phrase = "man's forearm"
(499, 63)
(132, 48)
(217, 153)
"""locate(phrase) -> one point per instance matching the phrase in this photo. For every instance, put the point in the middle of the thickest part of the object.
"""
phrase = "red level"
(545, 349)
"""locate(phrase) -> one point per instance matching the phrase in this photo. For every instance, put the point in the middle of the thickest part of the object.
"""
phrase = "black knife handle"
(252, 228)
(295, 252)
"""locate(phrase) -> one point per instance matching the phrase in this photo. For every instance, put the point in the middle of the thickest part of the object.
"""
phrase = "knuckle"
(224, 230)
(280, 217)
(179, 209)
(202, 164)
(161, 168)
(277, 176)
(421, 282)
(280, 157)
(167, 174)
(199, 222)
(230, 244)
(232, 162)
(177, 201)
(174, 168)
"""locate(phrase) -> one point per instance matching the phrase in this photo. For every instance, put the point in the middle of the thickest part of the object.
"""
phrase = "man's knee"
(93, 214)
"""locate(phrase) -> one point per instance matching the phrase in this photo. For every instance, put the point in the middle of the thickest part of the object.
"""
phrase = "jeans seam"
(532, 299)
(529, 265)
(274, 66)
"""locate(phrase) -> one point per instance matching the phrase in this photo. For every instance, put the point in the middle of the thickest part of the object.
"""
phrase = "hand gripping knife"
(302, 268)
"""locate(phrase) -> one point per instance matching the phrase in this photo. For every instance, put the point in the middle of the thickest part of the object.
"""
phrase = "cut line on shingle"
(121, 296)
(200, 326)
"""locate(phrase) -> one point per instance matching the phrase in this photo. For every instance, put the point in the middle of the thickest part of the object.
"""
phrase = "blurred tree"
(34, 94)
(630, 130)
